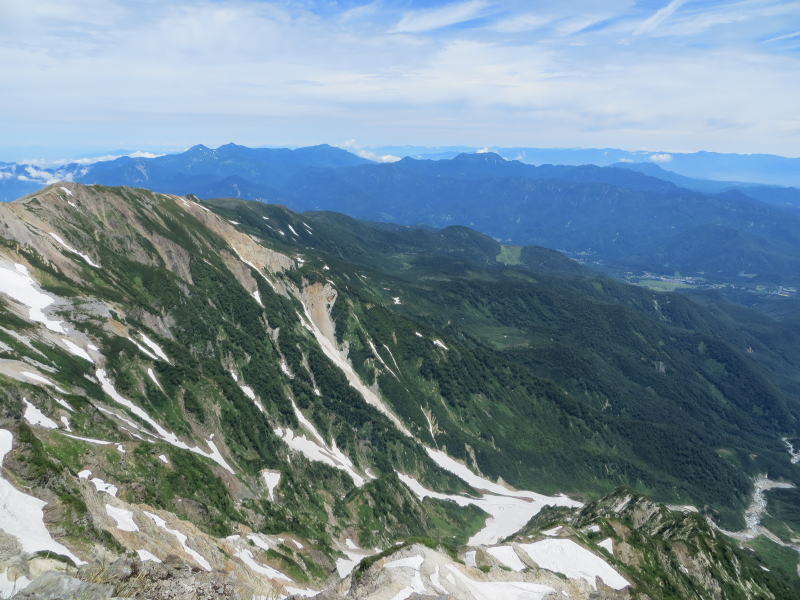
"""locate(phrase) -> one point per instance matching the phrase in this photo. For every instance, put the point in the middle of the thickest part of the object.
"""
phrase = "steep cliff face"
(183, 389)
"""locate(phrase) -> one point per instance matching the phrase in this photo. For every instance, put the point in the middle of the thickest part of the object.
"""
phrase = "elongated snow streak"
(21, 515)
(345, 367)
(167, 436)
(76, 350)
(41, 379)
(21, 287)
(154, 347)
(247, 558)
(181, 537)
(69, 248)
(142, 349)
(316, 449)
(152, 377)
(255, 268)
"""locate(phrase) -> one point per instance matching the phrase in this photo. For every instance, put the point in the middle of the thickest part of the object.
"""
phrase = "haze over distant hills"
(758, 168)
(625, 217)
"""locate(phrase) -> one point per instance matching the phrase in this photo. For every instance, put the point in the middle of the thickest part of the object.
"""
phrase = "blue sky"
(674, 75)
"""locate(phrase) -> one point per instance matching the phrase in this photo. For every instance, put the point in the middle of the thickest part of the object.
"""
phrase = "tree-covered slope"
(279, 395)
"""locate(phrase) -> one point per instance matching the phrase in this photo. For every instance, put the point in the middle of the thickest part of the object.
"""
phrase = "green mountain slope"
(287, 390)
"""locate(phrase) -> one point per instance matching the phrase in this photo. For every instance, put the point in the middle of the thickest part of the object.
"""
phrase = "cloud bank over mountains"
(672, 74)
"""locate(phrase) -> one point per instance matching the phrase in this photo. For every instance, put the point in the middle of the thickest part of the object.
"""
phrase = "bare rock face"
(58, 586)
(134, 580)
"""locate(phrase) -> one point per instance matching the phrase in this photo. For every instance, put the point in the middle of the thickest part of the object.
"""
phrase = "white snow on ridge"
(89, 440)
(410, 562)
(36, 417)
(181, 537)
(439, 343)
(573, 560)
(21, 515)
(507, 556)
(21, 287)
(69, 248)
(66, 191)
(507, 590)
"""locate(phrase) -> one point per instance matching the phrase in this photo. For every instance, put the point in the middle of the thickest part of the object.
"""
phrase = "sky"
(661, 75)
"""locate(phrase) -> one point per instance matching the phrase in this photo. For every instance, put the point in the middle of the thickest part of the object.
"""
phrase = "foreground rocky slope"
(189, 402)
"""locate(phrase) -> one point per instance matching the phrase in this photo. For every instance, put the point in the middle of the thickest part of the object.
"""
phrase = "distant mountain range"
(625, 217)
(760, 168)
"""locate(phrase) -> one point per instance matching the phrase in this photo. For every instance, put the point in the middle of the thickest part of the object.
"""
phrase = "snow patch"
(21, 515)
(76, 350)
(576, 562)
(36, 417)
(154, 347)
(21, 287)
(507, 556)
(124, 518)
(168, 436)
(41, 379)
(181, 537)
(271, 480)
(507, 590)
(411, 562)
(69, 248)
(247, 558)
(144, 555)
(316, 449)
(509, 510)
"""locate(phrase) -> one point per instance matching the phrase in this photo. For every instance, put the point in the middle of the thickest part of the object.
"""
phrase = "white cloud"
(173, 74)
(352, 146)
(521, 22)
(436, 18)
(659, 17)
(660, 158)
(786, 36)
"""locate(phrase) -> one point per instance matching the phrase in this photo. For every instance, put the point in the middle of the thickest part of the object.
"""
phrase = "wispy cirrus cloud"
(661, 15)
(115, 74)
(443, 16)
